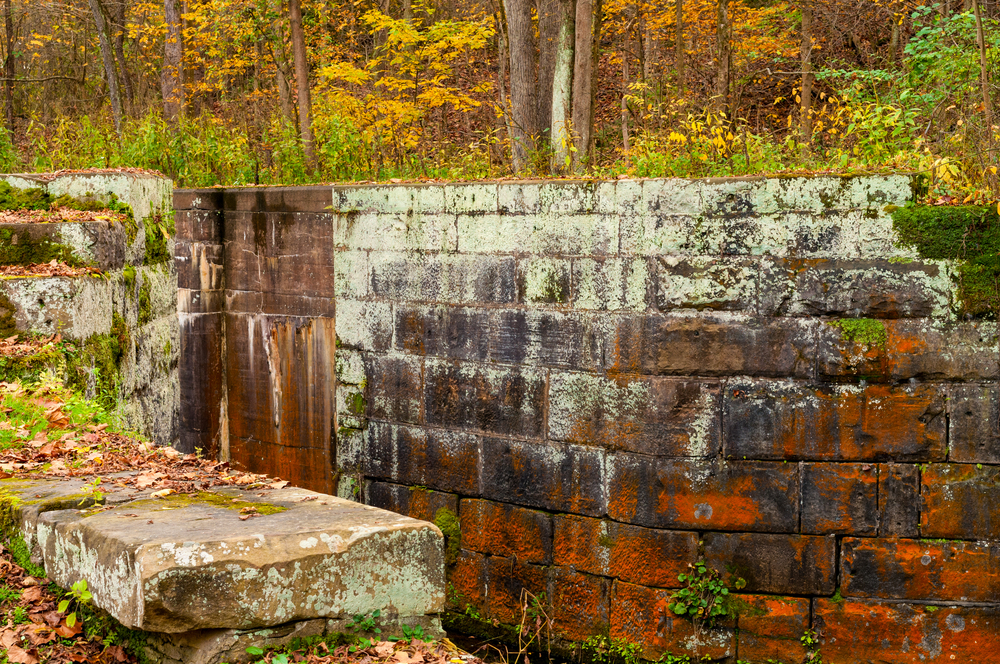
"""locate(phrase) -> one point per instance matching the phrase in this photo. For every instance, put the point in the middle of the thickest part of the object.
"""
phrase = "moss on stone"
(144, 302)
(968, 234)
(22, 250)
(8, 325)
(451, 528)
(868, 331)
(10, 534)
(356, 404)
(178, 500)
(12, 198)
(158, 232)
(96, 365)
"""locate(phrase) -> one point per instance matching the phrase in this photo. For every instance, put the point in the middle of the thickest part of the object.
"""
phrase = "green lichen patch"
(29, 367)
(967, 234)
(868, 331)
(145, 304)
(451, 528)
(178, 500)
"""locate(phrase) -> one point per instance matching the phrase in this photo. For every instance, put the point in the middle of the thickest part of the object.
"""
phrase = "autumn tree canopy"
(238, 91)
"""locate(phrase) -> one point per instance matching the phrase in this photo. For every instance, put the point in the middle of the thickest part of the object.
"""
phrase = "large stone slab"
(186, 563)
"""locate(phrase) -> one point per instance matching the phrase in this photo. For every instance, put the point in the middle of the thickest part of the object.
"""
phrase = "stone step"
(188, 562)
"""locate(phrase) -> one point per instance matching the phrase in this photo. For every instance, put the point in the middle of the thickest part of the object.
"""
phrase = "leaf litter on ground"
(94, 449)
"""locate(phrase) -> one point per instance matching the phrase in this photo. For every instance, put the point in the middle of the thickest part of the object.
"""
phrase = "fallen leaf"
(32, 594)
(280, 484)
(65, 631)
(16, 655)
(163, 493)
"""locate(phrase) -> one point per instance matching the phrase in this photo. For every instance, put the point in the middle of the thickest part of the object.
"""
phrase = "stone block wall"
(606, 381)
(131, 307)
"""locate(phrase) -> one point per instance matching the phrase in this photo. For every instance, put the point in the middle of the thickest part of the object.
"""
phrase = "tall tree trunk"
(109, 64)
(119, 26)
(984, 71)
(562, 89)
(805, 50)
(679, 43)
(503, 53)
(8, 67)
(588, 32)
(721, 99)
(172, 76)
(523, 61)
(302, 81)
(625, 141)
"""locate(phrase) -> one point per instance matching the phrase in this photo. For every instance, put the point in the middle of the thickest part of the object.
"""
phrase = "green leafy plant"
(415, 632)
(705, 596)
(605, 650)
(79, 597)
(810, 640)
(366, 622)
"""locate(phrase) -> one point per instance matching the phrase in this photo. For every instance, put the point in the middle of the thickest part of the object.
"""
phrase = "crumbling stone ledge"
(204, 583)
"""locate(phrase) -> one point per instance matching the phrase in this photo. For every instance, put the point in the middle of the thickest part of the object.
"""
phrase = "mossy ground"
(211, 499)
(968, 234)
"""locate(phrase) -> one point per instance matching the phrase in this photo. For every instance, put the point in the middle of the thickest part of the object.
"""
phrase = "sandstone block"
(656, 416)
(908, 349)
(444, 460)
(959, 501)
(900, 633)
(718, 284)
(776, 564)
(611, 283)
(580, 604)
(458, 333)
(771, 628)
(187, 562)
(640, 615)
(703, 494)
(839, 498)
(920, 570)
(567, 340)
(974, 424)
(630, 553)
(490, 398)
(415, 502)
(898, 500)
(564, 478)
(790, 420)
(506, 530)
(509, 579)
(711, 346)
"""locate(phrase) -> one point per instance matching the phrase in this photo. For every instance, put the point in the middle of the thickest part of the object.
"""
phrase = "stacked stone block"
(607, 381)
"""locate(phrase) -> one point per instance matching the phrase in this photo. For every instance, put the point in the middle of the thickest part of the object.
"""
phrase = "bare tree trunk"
(625, 141)
(984, 71)
(523, 61)
(562, 90)
(805, 107)
(679, 43)
(109, 64)
(172, 76)
(8, 67)
(503, 53)
(302, 81)
(721, 99)
(588, 31)
(119, 25)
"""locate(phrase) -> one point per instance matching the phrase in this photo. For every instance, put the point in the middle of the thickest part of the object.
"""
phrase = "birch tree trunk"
(302, 81)
(172, 75)
(107, 55)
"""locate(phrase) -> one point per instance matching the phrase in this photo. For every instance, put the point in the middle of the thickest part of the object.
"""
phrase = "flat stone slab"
(188, 562)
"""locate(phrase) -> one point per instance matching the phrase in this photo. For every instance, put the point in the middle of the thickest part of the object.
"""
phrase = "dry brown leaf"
(163, 493)
(32, 594)
(16, 655)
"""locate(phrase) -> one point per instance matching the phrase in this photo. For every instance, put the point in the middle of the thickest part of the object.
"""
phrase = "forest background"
(295, 91)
